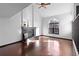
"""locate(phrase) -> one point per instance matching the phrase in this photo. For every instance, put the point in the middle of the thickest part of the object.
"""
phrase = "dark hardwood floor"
(40, 46)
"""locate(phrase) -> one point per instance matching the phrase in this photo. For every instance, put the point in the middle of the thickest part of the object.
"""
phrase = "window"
(53, 27)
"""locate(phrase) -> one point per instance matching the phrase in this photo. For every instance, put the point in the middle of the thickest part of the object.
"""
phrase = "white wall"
(27, 15)
(37, 20)
(10, 29)
(65, 25)
(2, 30)
(32, 16)
(64, 16)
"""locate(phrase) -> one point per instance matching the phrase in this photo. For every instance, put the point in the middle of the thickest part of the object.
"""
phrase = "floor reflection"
(40, 46)
(56, 47)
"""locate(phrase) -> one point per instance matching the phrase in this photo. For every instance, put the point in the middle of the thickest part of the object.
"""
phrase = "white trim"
(75, 17)
(75, 48)
(55, 35)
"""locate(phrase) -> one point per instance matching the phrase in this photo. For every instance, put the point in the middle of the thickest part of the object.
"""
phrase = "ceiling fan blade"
(42, 6)
(38, 3)
(49, 3)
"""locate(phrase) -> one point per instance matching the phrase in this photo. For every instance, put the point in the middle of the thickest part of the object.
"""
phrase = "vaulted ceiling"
(9, 9)
(56, 9)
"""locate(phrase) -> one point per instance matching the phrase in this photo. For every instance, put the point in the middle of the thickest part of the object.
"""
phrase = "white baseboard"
(75, 48)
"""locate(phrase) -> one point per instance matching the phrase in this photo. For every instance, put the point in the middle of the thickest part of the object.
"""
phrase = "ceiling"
(9, 9)
(56, 9)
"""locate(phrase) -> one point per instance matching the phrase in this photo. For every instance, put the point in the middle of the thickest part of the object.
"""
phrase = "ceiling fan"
(43, 4)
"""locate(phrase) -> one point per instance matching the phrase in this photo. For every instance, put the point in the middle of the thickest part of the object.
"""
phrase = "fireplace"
(29, 32)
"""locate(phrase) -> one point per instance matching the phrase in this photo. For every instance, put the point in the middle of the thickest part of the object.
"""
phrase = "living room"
(42, 21)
